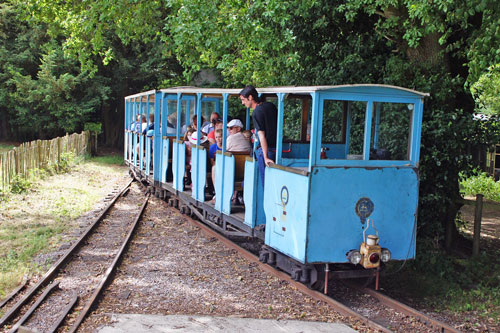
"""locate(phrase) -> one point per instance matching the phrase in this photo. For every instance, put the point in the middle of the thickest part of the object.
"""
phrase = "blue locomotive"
(342, 196)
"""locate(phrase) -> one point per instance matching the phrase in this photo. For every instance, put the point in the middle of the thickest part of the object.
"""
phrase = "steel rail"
(109, 271)
(14, 292)
(61, 318)
(339, 307)
(40, 299)
(55, 268)
(396, 305)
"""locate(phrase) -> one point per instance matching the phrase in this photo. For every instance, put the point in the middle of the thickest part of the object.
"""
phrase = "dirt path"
(490, 222)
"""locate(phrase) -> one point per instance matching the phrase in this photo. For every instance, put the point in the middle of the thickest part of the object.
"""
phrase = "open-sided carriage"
(342, 196)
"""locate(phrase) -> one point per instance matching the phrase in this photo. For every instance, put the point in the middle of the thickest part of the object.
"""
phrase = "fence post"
(58, 153)
(477, 224)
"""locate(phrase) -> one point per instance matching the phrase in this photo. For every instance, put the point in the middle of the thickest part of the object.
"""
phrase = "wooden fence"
(40, 154)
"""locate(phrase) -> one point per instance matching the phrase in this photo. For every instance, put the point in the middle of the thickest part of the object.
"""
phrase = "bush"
(66, 161)
(481, 184)
(19, 184)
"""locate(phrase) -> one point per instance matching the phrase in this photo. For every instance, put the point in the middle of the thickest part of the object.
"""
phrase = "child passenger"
(213, 151)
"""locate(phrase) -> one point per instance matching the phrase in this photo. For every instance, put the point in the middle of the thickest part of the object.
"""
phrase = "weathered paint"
(286, 207)
(198, 172)
(334, 228)
(178, 164)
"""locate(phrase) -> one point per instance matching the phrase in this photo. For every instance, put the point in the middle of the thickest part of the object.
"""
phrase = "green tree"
(19, 53)
(59, 100)
(486, 91)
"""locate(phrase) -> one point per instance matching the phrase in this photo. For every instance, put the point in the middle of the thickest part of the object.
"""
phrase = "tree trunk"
(112, 120)
(5, 133)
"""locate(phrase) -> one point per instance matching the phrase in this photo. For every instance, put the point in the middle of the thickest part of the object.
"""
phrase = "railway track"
(406, 311)
(380, 312)
(67, 292)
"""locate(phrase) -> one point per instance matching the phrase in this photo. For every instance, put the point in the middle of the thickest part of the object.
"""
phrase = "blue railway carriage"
(342, 196)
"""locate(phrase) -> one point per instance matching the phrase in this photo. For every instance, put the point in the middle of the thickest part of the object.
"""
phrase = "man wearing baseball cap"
(236, 141)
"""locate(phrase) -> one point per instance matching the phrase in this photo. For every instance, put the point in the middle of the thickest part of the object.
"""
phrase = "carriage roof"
(377, 89)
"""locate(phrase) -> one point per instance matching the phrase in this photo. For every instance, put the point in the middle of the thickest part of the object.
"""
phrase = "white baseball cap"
(235, 123)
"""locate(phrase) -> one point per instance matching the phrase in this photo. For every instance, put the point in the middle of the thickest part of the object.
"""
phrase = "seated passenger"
(151, 126)
(194, 123)
(140, 128)
(236, 141)
(216, 146)
(210, 127)
(138, 124)
(172, 124)
(211, 154)
(187, 143)
(134, 123)
(211, 135)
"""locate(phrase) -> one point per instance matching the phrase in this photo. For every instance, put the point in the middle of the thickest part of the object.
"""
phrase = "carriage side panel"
(285, 204)
(335, 228)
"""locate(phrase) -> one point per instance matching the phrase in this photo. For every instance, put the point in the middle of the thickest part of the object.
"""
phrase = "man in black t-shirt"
(265, 118)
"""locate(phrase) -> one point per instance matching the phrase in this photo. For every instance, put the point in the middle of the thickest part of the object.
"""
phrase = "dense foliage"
(121, 47)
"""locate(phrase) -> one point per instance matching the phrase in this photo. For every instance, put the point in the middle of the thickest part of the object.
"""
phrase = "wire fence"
(37, 155)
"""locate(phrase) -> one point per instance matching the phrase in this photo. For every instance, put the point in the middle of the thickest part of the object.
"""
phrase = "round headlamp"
(385, 256)
(354, 257)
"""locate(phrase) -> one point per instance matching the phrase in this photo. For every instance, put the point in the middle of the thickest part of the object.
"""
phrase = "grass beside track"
(35, 222)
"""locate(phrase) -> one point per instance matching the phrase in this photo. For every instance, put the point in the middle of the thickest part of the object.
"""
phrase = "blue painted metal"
(178, 164)
(219, 176)
(334, 228)
(198, 162)
(148, 155)
(228, 163)
(315, 143)
(198, 172)
(368, 130)
(141, 151)
(179, 153)
(220, 168)
(285, 203)
(279, 131)
(300, 151)
(250, 192)
(127, 126)
(157, 137)
(164, 160)
(136, 139)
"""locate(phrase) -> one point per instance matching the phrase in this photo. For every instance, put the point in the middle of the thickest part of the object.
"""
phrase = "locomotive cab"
(357, 171)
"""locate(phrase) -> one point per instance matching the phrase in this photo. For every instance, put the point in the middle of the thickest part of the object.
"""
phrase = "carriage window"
(343, 127)
(292, 120)
(187, 112)
(390, 132)
(333, 122)
(208, 107)
(171, 117)
(356, 112)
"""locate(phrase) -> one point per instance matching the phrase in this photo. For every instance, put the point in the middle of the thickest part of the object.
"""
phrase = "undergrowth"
(449, 283)
(483, 184)
(109, 159)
